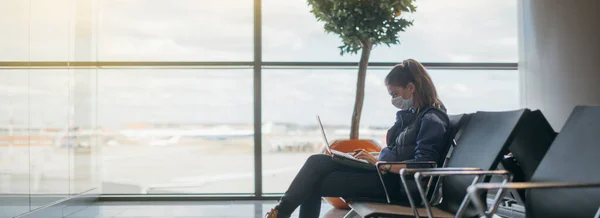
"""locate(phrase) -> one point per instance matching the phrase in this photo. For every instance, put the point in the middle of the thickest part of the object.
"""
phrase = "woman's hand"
(364, 155)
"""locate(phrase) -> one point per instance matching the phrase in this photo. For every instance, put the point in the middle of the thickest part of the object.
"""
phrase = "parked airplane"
(171, 136)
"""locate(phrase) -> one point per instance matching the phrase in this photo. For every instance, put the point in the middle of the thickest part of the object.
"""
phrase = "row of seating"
(560, 172)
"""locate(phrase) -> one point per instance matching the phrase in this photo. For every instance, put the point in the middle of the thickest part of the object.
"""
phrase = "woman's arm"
(384, 168)
(391, 168)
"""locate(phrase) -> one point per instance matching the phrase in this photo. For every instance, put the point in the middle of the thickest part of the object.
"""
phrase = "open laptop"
(342, 157)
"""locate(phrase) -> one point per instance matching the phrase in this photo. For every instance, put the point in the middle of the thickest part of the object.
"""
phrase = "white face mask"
(401, 103)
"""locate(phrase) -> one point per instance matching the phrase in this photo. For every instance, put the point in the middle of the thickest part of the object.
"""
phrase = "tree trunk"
(360, 88)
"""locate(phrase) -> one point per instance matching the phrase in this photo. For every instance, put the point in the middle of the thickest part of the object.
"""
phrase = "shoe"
(274, 213)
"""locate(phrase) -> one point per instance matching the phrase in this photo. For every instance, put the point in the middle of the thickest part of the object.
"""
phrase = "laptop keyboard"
(346, 155)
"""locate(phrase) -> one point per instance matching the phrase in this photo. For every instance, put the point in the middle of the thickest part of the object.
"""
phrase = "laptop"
(342, 157)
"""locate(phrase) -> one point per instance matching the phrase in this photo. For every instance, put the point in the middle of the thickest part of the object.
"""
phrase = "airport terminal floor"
(199, 209)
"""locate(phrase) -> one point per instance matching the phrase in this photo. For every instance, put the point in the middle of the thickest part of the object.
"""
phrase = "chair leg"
(350, 214)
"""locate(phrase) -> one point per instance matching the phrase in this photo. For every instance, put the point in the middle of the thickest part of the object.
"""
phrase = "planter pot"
(350, 146)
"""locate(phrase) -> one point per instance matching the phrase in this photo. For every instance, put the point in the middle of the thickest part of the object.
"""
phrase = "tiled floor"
(200, 209)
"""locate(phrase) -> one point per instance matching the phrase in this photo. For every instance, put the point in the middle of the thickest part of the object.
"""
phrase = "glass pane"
(182, 30)
(49, 99)
(50, 26)
(14, 142)
(82, 123)
(81, 137)
(15, 30)
(176, 131)
(48, 21)
(82, 133)
(292, 98)
(443, 31)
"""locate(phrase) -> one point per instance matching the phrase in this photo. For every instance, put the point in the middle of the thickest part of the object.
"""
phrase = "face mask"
(401, 103)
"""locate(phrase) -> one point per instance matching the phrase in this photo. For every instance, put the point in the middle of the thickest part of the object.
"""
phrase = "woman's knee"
(318, 158)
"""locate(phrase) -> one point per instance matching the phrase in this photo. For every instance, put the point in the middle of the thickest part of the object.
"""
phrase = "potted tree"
(361, 25)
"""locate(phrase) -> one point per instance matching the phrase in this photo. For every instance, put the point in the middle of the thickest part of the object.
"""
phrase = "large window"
(160, 97)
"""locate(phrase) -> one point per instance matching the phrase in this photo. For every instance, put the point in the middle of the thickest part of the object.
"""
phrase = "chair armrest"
(450, 172)
(379, 163)
(404, 162)
(462, 172)
(477, 173)
(439, 169)
(473, 190)
(431, 163)
(404, 172)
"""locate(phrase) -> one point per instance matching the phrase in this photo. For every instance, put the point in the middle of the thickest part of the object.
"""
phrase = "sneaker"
(274, 213)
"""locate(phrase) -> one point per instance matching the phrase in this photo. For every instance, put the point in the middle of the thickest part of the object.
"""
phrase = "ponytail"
(412, 71)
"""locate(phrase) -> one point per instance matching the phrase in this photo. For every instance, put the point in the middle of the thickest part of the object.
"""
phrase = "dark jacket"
(417, 136)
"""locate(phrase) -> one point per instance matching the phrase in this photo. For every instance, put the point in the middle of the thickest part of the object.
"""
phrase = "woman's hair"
(412, 71)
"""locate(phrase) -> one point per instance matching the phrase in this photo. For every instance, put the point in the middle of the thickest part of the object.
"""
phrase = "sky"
(203, 30)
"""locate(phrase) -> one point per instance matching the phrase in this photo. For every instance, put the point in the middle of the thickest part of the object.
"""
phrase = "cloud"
(192, 30)
(184, 31)
(461, 88)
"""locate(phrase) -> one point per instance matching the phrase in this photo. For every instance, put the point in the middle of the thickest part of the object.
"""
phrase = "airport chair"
(483, 142)
(566, 183)
(528, 148)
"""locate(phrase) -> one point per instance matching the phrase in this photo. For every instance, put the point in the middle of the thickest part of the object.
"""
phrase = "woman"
(419, 134)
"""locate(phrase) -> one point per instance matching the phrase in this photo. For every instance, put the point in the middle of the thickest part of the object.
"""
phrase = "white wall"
(559, 61)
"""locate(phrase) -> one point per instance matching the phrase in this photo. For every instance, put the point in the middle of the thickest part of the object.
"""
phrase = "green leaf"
(358, 20)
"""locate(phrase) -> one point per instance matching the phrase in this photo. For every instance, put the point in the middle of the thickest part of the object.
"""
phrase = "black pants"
(322, 177)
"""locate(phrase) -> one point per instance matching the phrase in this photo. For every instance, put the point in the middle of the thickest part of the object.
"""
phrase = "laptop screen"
(323, 134)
